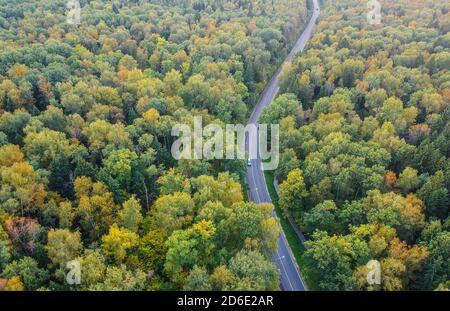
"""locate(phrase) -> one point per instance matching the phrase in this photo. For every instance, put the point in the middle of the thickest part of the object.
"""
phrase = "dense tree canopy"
(86, 113)
(86, 171)
(365, 166)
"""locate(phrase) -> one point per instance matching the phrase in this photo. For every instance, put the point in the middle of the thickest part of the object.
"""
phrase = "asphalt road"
(291, 279)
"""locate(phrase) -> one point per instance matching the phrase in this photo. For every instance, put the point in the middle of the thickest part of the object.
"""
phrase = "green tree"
(198, 280)
(93, 268)
(5, 254)
(321, 217)
(130, 216)
(173, 182)
(283, 106)
(436, 268)
(188, 248)
(60, 179)
(253, 272)
(435, 196)
(172, 212)
(334, 259)
(351, 70)
(28, 270)
(63, 246)
(43, 147)
(408, 180)
(118, 242)
(119, 278)
(293, 193)
(288, 162)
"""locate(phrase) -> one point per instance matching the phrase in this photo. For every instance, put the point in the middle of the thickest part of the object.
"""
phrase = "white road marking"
(258, 200)
(284, 270)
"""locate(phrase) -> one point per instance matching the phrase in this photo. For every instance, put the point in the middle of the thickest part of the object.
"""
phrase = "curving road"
(291, 279)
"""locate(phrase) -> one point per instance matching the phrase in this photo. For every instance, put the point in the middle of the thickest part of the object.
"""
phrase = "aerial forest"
(365, 146)
(86, 170)
(86, 113)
